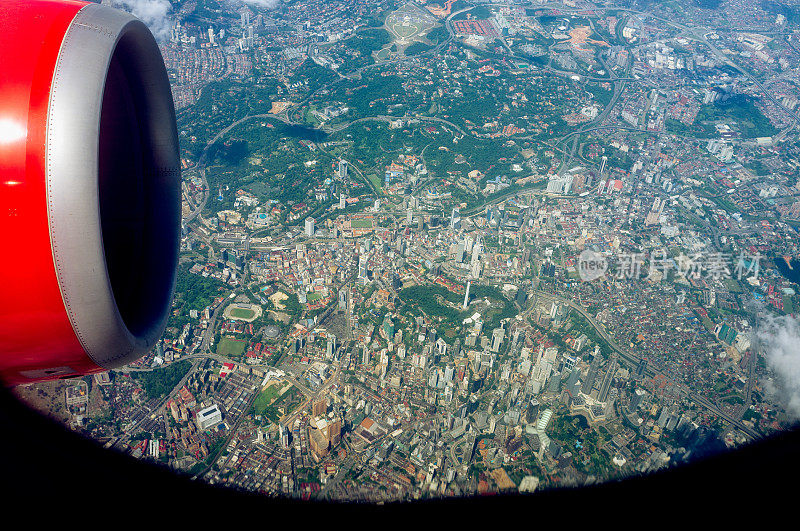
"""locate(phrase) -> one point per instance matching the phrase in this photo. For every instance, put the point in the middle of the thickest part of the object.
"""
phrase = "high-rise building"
(335, 431)
(466, 296)
(283, 434)
(455, 219)
(320, 407)
(573, 382)
(580, 342)
(310, 227)
(663, 417)
(343, 169)
(330, 347)
(591, 376)
(606, 385)
(640, 369)
(362, 266)
(155, 448)
(475, 269)
(533, 410)
(472, 445)
(636, 399)
(554, 383)
(498, 334)
(459, 252)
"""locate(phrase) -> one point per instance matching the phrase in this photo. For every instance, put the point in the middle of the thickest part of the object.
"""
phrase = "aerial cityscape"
(446, 248)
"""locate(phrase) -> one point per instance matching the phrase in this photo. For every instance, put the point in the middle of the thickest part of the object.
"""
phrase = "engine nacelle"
(89, 189)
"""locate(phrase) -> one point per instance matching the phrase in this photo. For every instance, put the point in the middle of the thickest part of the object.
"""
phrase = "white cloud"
(267, 4)
(154, 13)
(780, 341)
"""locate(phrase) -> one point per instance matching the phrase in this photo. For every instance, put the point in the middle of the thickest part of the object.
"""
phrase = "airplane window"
(448, 248)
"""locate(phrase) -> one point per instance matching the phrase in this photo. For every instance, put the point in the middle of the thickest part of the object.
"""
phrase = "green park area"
(271, 398)
(376, 182)
(740, 111)
(157, 383)
(230, 347)
(432, 299)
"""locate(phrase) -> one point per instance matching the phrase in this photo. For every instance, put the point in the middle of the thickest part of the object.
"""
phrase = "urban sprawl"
(437, 249)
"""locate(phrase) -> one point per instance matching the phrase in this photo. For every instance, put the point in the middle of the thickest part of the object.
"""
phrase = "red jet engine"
(89, 190)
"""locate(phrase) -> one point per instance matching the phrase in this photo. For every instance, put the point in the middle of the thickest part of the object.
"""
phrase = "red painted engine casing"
(89, 189)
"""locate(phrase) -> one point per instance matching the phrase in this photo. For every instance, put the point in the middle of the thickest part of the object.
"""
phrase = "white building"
(209, 417)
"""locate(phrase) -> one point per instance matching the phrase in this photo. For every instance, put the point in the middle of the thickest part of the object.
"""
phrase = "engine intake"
(89, 190)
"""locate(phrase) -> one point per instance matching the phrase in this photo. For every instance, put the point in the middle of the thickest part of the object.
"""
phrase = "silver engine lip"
(72, 177)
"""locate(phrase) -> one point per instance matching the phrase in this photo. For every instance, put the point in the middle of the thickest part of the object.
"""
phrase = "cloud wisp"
(779, 340)
(266, 4)
(154, 13)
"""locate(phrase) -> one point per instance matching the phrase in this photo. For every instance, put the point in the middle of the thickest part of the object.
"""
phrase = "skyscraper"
(591, 376)
(573, 382)
(640, 369)
(459, 252)
(606, 385)
(330, 347)
(284, 436)
(454, 218)
(636, 399)
(335, 431)
(320, 407)
(362, 266)
(498, 334)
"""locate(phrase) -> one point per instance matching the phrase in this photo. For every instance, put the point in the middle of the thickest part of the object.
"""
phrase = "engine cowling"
(89, 189)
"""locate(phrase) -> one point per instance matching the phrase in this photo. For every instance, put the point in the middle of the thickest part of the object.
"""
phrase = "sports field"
(242, 313)
(232, 348)
(361, 223)
(313, 297)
